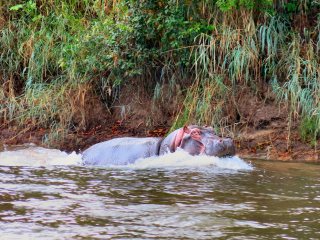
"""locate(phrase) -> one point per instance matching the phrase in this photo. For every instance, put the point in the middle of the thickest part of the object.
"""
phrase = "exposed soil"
(262, 132)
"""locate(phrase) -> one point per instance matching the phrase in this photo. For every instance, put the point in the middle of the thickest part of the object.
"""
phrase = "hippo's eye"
(195, 134)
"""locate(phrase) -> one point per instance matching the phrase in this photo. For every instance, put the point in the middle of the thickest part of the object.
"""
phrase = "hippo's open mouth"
(198, 140)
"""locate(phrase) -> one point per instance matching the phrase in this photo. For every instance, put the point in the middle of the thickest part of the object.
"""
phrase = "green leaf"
(35, 18)
(16, 7)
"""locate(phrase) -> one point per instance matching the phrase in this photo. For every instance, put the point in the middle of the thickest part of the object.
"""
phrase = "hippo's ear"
(186, 129)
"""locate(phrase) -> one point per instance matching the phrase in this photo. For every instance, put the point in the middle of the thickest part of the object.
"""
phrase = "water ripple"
(270, 201)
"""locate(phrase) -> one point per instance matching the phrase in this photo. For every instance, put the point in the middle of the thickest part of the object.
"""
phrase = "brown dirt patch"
(262, 134)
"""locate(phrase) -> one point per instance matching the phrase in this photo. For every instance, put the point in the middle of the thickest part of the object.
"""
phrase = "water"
(176, 196)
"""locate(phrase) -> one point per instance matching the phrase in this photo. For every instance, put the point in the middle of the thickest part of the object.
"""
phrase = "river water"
(48, 194)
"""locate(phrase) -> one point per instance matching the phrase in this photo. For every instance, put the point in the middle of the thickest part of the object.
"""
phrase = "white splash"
(38, 156)
(181, 159)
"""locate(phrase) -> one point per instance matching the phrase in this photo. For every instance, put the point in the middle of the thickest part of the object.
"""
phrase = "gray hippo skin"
(193, 139)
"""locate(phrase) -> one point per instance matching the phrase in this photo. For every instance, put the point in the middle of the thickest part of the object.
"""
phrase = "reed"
(258, 52)
(53, 53)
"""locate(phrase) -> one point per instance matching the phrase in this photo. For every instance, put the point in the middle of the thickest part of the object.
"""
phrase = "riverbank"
(73, 73)
(264, 144)
(265, 136)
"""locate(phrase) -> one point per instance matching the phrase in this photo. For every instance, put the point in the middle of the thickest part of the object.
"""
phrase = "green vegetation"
(56, 53)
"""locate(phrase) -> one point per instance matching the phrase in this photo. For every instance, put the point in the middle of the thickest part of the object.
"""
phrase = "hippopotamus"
(193, 139)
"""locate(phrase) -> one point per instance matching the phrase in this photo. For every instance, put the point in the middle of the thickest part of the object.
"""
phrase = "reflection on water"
(155, 200)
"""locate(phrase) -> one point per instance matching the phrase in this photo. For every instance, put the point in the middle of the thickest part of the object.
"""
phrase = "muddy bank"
(261, 133)
(268, 144)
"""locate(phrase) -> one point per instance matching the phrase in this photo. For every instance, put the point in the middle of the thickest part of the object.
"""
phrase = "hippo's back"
(120, 151)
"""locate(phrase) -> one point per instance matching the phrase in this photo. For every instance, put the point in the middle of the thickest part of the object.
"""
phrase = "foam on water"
(38, 156)
(181, 159)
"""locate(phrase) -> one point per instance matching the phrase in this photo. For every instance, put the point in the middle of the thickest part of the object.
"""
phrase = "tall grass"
(223, 62)
(56, 54)
(241, 53)
(301, 88)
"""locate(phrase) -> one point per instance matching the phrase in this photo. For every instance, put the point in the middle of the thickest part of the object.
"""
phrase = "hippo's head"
(197, 140)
